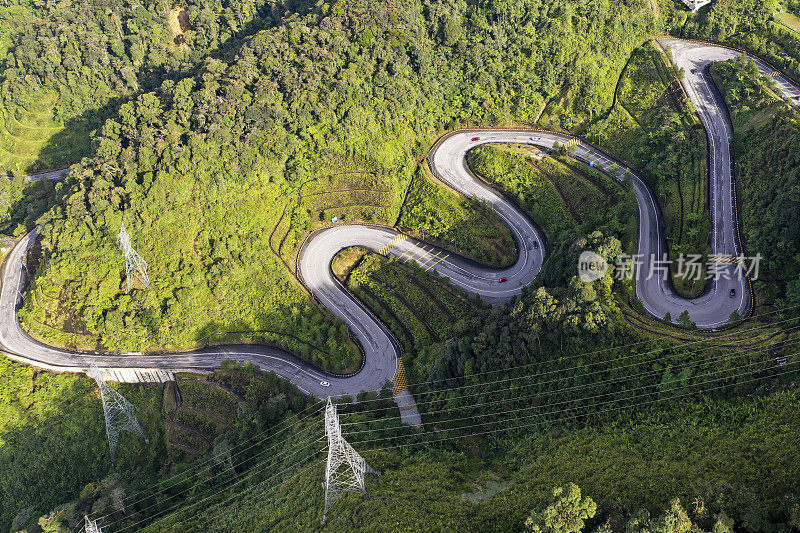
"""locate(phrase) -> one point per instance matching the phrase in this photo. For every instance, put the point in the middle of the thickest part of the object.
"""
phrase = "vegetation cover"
(68, 66)
(439, 215)
(224, 133)
(653, 125)
(766, 132)
(226, 149)
(632, 468)
(53, 430)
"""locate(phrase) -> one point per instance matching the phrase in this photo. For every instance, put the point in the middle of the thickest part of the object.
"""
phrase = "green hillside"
(279, 131)
(224, 133)
(492, 483)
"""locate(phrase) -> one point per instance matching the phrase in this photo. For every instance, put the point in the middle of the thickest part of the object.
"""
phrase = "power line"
(275, 460)
(252, 488)
(218, 490)
(573, 409)
(491, 431)
(419, 394)
(602, 403)
(574, 387)
(518, 410)
(208, 462)
(423, 403)
(634, 376)
(756, 328)
(582, 354)
(678, 352)
(761, 326)
(576, 415)
(562, 402)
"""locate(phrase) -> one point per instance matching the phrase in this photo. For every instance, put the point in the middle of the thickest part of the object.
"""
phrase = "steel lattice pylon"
(119, 412)
(346, 468)
(694, 5)
(90, 526)
(134, 264)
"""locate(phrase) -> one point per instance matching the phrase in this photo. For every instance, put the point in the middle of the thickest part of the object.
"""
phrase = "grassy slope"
(31, 140)
(789, 20)
(640, 462)
(419, 309)
(534, 190)
(558, 193)
(215, 286)
(652, 125)
(467, 227)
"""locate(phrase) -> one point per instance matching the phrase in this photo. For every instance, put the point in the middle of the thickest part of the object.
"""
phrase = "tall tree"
(566, 514)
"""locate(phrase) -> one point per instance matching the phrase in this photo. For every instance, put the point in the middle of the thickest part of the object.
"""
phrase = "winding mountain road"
(447, 160)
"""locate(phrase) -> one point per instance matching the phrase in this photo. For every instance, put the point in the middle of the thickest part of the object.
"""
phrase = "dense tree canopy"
(223, 132)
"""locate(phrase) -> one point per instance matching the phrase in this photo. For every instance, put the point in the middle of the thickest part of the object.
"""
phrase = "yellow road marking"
(431, 258)
(410, 257)
(413, 253)
(404, 253)
(388, 247)
(437, 262)
(727, 259)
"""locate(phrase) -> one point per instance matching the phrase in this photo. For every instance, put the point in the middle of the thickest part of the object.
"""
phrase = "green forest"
(652, 124)
(223, 133)
(637, 470)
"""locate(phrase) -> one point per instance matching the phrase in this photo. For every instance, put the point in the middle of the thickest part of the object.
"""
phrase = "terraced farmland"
(31, 140)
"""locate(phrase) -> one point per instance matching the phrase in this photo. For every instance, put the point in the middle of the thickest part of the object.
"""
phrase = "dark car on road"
(732, 293)
(536, 244)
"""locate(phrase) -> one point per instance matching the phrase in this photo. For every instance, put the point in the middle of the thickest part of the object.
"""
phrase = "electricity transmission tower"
(133, 261)
(346, 468)
(120, 413)
(90, 526)
(694, 5)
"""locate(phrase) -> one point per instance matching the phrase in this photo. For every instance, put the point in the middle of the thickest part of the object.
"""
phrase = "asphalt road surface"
(448, 161)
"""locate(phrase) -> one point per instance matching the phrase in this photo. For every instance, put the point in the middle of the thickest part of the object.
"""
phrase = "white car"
(324, 383)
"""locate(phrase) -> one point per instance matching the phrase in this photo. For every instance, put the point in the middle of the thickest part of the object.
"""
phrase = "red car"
(476, 139)
(503, 279)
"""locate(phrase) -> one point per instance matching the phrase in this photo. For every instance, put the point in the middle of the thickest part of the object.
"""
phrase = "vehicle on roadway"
(536, 244)
(503, 280)
(476, 139)
(324, 383)
(733, 293)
